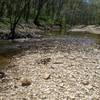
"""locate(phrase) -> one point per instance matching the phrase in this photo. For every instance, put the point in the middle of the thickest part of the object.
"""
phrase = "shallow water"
(8, 49)
(92, 37)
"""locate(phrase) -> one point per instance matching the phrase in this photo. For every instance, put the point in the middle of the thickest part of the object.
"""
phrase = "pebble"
(26, 82)
(95, 98)
(85, 82)
(43, 97)
(46, 76)
(2, 75)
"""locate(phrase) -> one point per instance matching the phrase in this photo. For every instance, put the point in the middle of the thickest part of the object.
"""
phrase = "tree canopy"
(44, 12)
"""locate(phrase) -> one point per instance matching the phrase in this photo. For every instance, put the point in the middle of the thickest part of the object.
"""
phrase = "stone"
(43, 97)
(46, 76)
(15, 86)
(61, 84)
(26, 82)
(44, 61)
(95, 98)
(70, 98)
(24, 99)
(2, 75)
(85, 82)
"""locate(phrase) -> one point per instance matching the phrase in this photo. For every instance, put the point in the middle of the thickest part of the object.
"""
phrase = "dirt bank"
(86, 29)
(22, 31)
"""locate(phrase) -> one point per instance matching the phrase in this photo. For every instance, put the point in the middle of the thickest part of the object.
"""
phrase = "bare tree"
(15, 10)
(40, 4)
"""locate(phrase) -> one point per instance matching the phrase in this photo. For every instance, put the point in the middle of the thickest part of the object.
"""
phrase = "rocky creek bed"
(54, 69)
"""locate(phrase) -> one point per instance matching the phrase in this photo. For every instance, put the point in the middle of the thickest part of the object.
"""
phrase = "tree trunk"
(12, 33)
(36, 22)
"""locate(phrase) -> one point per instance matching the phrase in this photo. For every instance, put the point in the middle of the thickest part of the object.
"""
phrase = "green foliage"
(4, 23)
(49, 12)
